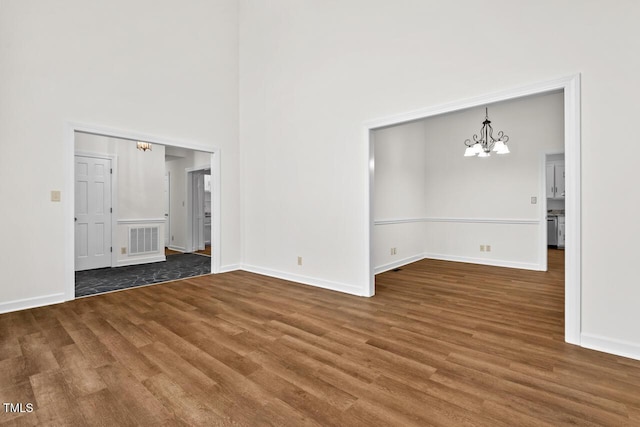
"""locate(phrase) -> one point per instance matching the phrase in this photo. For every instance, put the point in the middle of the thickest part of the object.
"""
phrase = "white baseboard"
(230, 267)
(610, 345)
(305, 280)
(399, 263)
(177, 248)
(137, 261)
(23, 304)
(485, 261)
(455, 258)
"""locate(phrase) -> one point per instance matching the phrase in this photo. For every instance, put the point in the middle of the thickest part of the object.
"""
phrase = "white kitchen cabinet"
(555, 180)
(551, 180)
(561, 228)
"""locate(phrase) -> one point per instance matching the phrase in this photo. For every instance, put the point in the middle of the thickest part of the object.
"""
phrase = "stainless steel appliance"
(552, 230)
(561, 228)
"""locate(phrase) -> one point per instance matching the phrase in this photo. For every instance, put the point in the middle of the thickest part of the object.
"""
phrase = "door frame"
(189, 174)
(114, 196)
(570, 85)
(68, 202)
(544, 248)
(167, 231)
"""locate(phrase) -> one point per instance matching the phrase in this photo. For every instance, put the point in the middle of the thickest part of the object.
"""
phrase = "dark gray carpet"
(90, 282)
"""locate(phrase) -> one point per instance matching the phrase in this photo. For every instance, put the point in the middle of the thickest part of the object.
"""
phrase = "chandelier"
(482, 147)
(143, 146)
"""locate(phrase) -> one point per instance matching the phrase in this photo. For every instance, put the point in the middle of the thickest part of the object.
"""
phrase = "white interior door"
(92, 213)
(167, 209)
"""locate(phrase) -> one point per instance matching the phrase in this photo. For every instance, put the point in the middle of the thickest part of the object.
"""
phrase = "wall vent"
(143, 240)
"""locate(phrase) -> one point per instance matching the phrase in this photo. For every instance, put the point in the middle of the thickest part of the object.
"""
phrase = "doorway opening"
(570, 88)
(554, 183)
(125, 219)
(199, 210)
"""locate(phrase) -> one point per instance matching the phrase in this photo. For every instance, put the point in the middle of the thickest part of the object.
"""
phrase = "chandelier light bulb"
(504, 149)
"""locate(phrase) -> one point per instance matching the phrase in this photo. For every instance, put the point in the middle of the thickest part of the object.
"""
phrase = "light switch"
(534, 200)
(55, 195)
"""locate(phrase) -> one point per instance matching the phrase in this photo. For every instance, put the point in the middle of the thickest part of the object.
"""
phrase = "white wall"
(421, 175)
(164, 68)
(399, 193)
(495, 188)
(311, 73)
(139, 192)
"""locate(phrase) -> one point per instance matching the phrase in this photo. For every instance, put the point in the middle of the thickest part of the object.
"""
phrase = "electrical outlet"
(394, 251)
(123, 251)
(481, 248)
(299, 260)
(172, 238)
(488, 247)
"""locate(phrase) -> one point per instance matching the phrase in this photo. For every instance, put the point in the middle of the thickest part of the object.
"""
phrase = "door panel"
(92, 213)
(82, 238)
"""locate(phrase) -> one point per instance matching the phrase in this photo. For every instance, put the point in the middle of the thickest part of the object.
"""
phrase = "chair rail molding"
(142, 221)
(523, 221)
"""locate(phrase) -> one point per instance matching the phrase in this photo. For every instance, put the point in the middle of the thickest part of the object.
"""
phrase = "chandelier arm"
(502, 137)
(490, 137)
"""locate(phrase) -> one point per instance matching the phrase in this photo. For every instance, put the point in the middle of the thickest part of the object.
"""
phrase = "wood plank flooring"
(441, 343)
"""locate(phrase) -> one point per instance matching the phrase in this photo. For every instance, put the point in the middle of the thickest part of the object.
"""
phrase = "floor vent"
(143, 240)
(397, 269)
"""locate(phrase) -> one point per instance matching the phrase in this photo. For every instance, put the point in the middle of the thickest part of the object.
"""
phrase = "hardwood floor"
(440, 344)
(205, 251)
(168, 252)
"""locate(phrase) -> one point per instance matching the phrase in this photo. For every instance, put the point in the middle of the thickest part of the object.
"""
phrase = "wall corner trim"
(469, 260)
(399, 263)
(306, 280)
(23, 304)
(610, 345)
(141, 260)
(230, 267)
(484, 261)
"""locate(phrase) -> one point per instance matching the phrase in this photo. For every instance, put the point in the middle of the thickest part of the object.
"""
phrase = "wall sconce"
(143, 146)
